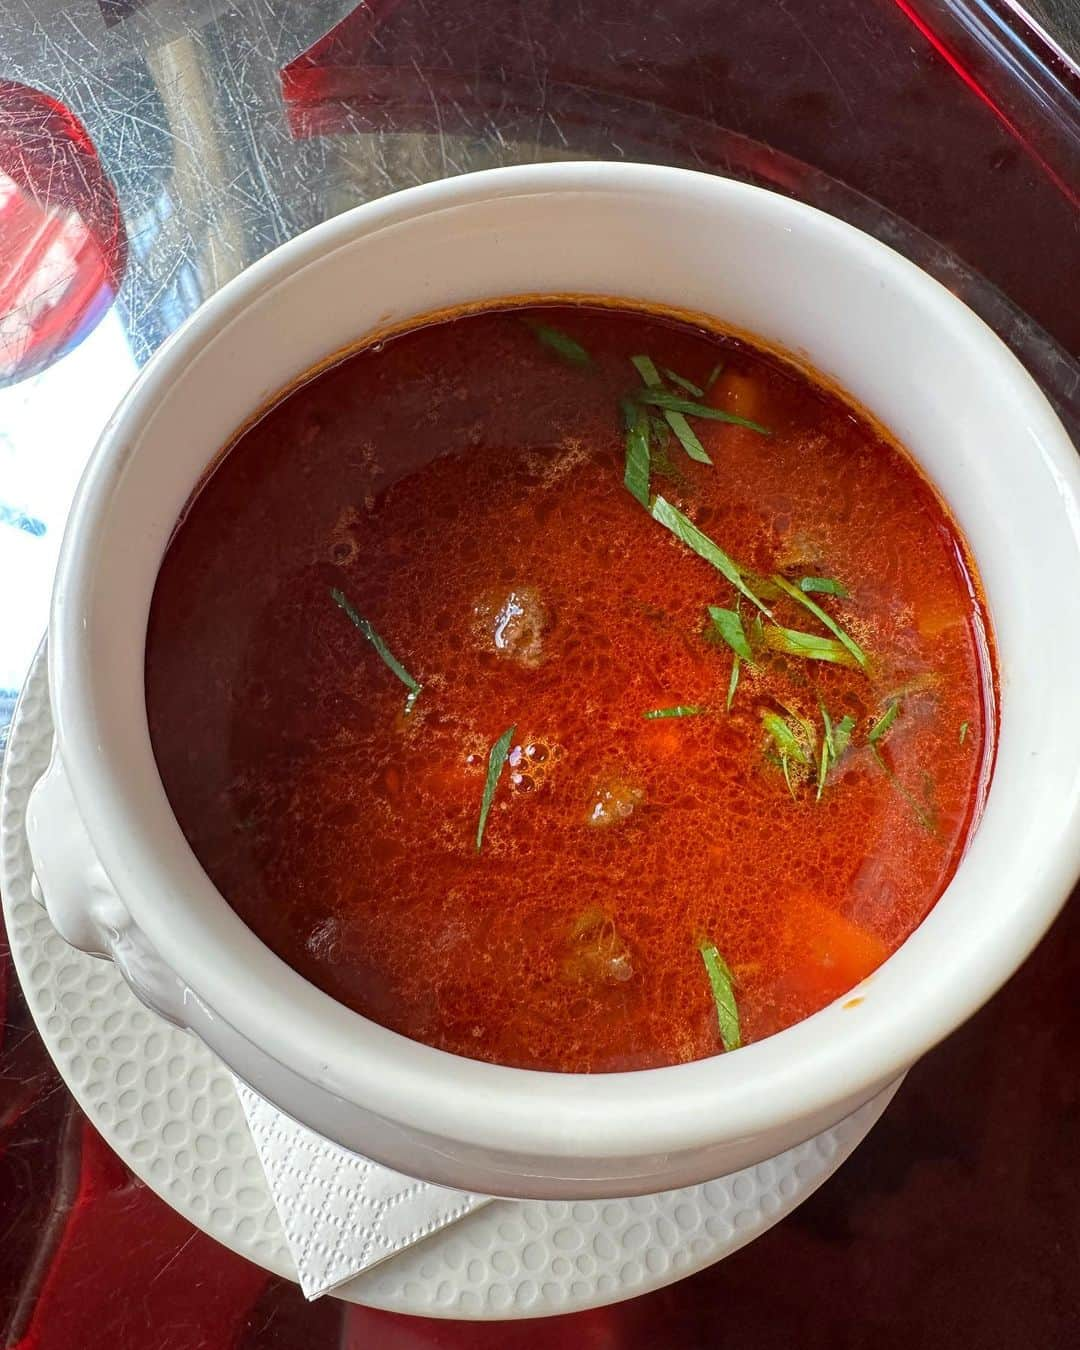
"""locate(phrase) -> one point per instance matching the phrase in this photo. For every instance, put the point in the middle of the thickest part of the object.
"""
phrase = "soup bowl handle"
(71, 885)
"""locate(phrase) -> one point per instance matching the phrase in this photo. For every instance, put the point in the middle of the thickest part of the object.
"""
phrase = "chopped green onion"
(683, 528)
(787, 745)
(496, 760)
(660, 398)
(733, 683)
(823, 764)
(679, 710)
(800, 597)
(761, 584)
(809, 730)
(786, 740)
(714, 375)
(636, 474)
(963, 732)
(562, 344)
(833, 744)
(826, 722)
(722, 983)
(841, 735)
(687, 437)
(683, 383)
(876, 735)
(809, 646)
(824, 586)
(881, 727)
(646, 368)
(729, 625)
(662, 467)
(650, 377)
(388, 657)
(660, 430)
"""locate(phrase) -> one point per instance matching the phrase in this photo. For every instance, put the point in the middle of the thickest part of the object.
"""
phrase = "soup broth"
(572, 688)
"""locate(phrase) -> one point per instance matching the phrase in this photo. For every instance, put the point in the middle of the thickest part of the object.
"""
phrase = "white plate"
(170, 1110)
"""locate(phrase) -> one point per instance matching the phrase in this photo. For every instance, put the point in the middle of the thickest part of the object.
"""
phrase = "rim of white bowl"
(792, 1074)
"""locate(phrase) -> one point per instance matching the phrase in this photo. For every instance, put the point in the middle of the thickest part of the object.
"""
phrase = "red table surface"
(948, 128)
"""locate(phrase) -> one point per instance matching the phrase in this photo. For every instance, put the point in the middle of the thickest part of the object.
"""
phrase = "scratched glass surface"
(150, 150)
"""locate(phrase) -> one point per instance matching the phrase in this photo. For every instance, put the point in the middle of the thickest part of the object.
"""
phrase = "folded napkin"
(342, 1213)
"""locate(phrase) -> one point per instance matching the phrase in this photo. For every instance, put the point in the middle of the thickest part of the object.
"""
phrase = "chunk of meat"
(613, 802)
(515, 625)
(596, 952)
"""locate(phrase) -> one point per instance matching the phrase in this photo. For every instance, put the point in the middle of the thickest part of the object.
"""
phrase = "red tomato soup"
(511, 722)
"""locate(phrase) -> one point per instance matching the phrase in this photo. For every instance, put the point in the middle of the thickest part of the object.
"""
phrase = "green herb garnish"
(562, 344)
(881, 727)
(684, 528)
(496, 760)
(660, 398)
(683, 383)
(808, 728)
(650, 376)
(722, 983)
(388, 657)
(662, 467)
(714, 375)
(800, 597)
(646, 368)
(826, 722)
(679, 710)
(733, 683)
(687, 437)
(661, 464)
(824, 586)
(875, 736)
(729, 625)
(963, 732)
(636, 474)
(841, 735)
(823, 763)
(761, 584)
(786, 740)
(809, 646)
(661, 432)
(787, 745)
(833, 744)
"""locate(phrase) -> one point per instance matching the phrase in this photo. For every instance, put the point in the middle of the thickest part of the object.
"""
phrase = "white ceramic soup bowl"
(119, 879)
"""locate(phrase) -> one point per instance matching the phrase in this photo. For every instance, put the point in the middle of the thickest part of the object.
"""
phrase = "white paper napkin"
(342, 1213)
